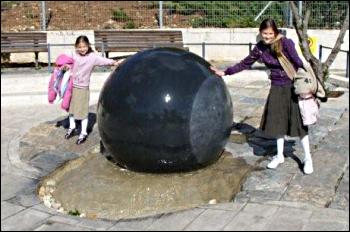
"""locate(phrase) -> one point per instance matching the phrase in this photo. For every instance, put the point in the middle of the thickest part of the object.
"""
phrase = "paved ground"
(282, 199)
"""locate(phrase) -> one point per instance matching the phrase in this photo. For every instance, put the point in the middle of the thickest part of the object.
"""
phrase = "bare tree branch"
(301, 27)
(303, 37)
(306, 20)
(338, 43)
(296, 15)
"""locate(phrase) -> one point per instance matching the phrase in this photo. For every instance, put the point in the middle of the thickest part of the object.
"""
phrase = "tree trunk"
(301, 26)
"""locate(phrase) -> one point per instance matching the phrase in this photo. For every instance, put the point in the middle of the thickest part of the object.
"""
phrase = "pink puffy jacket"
(52, 94)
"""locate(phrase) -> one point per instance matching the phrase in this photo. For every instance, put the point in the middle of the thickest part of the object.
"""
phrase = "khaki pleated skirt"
(281, 114)
(79, 105)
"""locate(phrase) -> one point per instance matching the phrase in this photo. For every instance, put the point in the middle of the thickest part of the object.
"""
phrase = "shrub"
(120, 15)
(129, 25)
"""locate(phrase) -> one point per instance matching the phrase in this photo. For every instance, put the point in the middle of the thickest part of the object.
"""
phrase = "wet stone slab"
(45, 143)
(96, 187)
(81, 179)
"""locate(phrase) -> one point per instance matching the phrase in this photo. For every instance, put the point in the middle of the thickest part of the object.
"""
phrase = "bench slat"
(15, 38)
(113, 40)
(19, 50)
(129, 49)
(137, 36)
(136, 31)
(140, 45)
(136, 40)
(20, 42)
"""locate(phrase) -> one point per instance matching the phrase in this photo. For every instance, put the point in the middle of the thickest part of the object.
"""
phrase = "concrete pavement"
(281, 199)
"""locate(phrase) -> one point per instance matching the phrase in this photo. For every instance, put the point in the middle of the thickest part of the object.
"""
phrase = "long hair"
(270, 23)
(83, 39)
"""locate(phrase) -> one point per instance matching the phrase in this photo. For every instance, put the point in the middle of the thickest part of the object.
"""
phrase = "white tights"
(280, 146)
(71, 122)
(84, 124)
(306, 146)
(304, 143)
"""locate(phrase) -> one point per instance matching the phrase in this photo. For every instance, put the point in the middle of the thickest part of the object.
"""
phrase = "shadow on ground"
(264, 145)
(91, 122)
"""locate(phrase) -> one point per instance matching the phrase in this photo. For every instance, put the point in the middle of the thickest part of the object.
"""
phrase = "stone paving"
(281, 199)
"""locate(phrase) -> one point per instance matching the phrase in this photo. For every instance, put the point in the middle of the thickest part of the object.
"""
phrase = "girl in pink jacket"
(85, 59)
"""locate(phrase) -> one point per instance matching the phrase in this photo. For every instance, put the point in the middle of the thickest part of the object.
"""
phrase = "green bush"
(129, 25)
(74, 212)
(226, 13)
(120, 15)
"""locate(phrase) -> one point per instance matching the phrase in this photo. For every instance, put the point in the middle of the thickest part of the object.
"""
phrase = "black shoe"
(70, 133)
(82, 138)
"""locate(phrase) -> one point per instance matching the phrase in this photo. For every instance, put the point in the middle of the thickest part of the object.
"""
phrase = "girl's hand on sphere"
(217, 71)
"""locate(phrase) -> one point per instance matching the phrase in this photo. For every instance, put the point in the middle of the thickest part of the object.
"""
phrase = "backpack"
(307, 87)
(305, 81)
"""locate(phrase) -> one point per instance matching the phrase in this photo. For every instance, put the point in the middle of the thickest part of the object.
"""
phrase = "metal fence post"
(103, 49)
(285, 14)
(320, 53)
(160, 14)
(43, 16)
(290, 17)
(347, 65)
(203, 50)
(48, 58)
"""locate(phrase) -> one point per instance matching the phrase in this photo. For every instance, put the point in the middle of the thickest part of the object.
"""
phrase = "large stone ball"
(164, 110)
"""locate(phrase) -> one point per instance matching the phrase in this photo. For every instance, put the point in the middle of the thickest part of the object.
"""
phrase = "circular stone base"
(97, 188)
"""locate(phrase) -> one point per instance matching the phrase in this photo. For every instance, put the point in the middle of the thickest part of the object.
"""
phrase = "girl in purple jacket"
(281, 114)
(84, 62)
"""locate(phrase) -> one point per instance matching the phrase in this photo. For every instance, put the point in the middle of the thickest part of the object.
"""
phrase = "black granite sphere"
(164, 110)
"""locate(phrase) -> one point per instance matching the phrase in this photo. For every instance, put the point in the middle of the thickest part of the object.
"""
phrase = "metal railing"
(203, 45)
(347, 57)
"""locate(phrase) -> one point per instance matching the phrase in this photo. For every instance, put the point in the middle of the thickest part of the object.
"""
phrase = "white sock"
(71, 122)
(305, 143)
(84, 123)
(280, 146)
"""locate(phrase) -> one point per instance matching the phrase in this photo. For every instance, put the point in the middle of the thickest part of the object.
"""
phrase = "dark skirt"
(281, 114)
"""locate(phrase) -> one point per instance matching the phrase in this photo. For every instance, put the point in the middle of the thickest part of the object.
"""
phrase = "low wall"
(249, 35)
(207, 35)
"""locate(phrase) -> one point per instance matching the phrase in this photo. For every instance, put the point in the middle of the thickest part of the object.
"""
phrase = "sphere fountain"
(164, 110)
(164, 117)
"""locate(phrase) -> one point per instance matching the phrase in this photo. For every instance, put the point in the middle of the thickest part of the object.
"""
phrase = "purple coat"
(263, 52)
